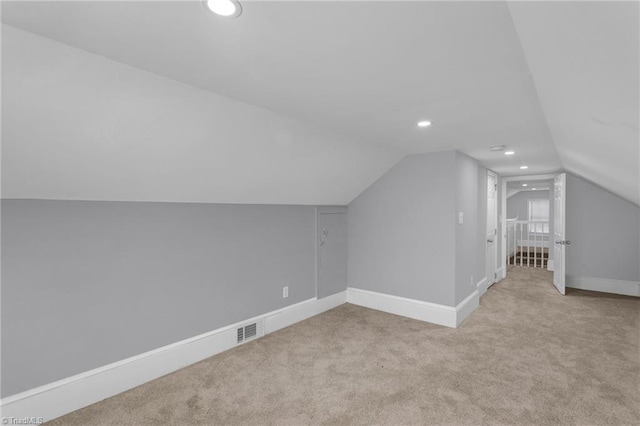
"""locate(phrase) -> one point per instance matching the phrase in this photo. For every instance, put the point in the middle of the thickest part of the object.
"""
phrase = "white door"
(559, 205)
(492, 226)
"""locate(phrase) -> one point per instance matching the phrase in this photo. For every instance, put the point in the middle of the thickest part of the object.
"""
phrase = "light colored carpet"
(526, 356)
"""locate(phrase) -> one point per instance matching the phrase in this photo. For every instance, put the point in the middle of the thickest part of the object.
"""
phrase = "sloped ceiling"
(584, 58)
(359, 73)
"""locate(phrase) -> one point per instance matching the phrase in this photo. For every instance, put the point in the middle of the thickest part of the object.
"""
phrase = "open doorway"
(529, 221)
(533, 225)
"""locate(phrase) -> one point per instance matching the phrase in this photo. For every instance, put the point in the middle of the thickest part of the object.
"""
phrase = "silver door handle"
(565, 242)
(489, 241)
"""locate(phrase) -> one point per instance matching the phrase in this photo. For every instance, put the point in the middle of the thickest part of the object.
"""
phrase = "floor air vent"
(247, 332)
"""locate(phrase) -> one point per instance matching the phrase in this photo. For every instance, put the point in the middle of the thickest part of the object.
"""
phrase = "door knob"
(489, 241)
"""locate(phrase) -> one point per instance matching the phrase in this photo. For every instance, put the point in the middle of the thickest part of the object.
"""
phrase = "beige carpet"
(526, 356)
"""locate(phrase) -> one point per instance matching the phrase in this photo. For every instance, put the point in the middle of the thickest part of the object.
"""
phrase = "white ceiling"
(370, 70)
(584, 59)
(514, 187)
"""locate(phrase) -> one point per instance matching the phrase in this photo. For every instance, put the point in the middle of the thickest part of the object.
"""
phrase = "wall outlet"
(285, 292)
(473, 284)
(460, 218)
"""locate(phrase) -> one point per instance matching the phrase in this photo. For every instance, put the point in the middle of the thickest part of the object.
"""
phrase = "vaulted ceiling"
(555, 82)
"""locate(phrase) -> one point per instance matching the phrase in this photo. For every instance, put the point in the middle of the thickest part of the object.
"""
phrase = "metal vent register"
(247, 332)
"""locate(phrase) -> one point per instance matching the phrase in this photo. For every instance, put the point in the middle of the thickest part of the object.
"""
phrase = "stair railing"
(528, 243)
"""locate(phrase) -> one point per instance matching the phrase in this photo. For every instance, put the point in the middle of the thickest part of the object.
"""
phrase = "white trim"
(550, 265)
(482, 286)
(605, 285)
(501, 274)
(72, 393)
(467, 306)
(448, 316)
(410, 308)
(290, 315)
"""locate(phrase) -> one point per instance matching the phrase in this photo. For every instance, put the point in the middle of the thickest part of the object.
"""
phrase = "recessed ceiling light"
(524, 167)
(496, 148)
(424, 123)
(533, 189)
(226, 8)
(509, 152)
(524, 184)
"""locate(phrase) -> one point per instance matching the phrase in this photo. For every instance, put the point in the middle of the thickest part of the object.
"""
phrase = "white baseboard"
(550, 265)
(626, 288)
(501, 274)
(467, 306)
(285, 317)
(75, 392)
(448, 316)
(482, 286)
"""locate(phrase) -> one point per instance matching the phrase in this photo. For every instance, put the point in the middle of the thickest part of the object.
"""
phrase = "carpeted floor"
(527, 355)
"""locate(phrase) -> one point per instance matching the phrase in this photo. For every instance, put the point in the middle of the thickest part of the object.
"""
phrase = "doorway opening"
(533, 212)
(529, 223)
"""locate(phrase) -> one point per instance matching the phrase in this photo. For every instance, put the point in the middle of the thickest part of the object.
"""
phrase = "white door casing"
(492, 227)
(559, 237)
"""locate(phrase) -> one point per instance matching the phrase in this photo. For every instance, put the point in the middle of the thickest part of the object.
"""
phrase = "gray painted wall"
(404, 236)
(466, 234)
(517, 204)
(85, 284)
(401, 231)
(603, 229)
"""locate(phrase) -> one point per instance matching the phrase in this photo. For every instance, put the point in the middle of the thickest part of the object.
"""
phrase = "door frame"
(494, 279)
(502, 271)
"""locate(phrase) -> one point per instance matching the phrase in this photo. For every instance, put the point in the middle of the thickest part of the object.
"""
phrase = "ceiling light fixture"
(524, 184)
(524, 167)
(533, 189)
(509, 152)
(226, 8)
(496, 148)
(424, 123)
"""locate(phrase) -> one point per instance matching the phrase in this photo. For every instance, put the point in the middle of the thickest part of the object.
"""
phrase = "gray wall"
(401, 231)
(466, 234)
(85, 284)
(603, 229)
(404, 236)
(517, 204)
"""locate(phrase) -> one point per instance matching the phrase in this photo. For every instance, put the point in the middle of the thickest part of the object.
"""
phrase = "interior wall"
(518, 203)
(404, 235)
(603, 229)
(85, 284)
(402, 231)
(466, 233)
